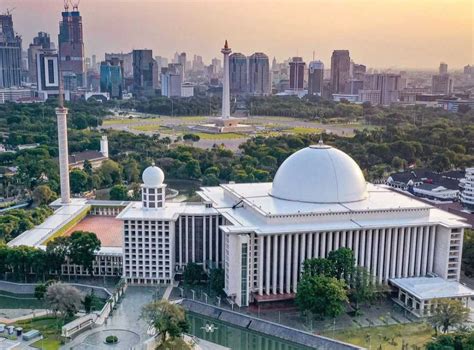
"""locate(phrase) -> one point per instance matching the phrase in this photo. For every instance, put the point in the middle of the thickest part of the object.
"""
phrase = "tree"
(119, 193)
(217, 280)
(318, 266)
(363, 287)
(322, 295)
(87, 167)
(89, 301)
(63, 299)
(56, 251)
(42, 194)
(168, 319)
(448, 313)
(78, 179)
(82, 249)
(343, 261)
(40, 291)
(191, 137)
(110, 173)
(193, 273)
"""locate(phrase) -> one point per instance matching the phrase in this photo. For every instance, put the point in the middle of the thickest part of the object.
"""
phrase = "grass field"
(386, 337)
(127, 121)
(49, 328)
(303, 130)
(153, 127)
(223, 136)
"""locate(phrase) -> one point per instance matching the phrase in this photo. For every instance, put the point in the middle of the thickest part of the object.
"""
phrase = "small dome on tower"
(153, 176)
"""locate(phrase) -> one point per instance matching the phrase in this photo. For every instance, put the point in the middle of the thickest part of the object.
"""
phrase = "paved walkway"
(36, 313)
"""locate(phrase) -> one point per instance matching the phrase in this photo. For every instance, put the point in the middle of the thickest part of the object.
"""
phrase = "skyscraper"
(71, 47)
(10, 53)
(171, 80)
(443, 68)
(381, 89)
(40, 42)
(297, 68)
(182, 62)
(111, 77)
(315, 78)
(47, 73)
(143, 73)
(340, 71)
(238, 73)
(259, 74)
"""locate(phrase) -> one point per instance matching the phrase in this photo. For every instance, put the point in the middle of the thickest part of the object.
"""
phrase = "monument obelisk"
(225, 83)
(61, 115)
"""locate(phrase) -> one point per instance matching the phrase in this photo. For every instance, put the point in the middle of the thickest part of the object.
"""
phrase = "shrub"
(111, 339)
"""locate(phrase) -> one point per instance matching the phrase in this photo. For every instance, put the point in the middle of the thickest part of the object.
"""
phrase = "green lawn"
(49, 326)
(152, 127)
(303, 130)
(388, 337)
(223, 136)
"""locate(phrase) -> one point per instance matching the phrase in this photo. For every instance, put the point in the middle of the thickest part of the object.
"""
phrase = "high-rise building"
(40, 42)
(171, 80)
(182, 62)
(127, 59)
(358, 71)
(381, 89)
(441, 84)
(315, 78)
(297, 68)
(340, 71)
(443, 68)
(216, 65)
(259, 74)
(238, 73)
(47, 73)
(111, 77)
(468, 70)
(198, 64)
(10, 53)
(143, 73)
(71, 47)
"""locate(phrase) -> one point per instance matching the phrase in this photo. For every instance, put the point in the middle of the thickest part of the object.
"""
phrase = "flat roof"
(426, 288)
(107, 228)
(171, 211)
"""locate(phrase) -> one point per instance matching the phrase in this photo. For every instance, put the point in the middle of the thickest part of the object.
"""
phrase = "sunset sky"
(378, 33)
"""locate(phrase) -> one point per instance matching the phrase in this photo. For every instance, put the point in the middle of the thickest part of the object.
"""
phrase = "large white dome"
(153, 176)
(319, 174)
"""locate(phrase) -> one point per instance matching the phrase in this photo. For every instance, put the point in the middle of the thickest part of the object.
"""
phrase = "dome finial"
(152, 163)
(226, 45)
(321, 142)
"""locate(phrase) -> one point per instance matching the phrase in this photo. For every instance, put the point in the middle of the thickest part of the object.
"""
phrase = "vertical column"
(323, 245)
(363, 233)
(356, 247)
(336, 240)
(400, 248)
(309, 246)
(61, 115)
(289, 251)
(424, 261)
(388, 257)
(431, 249)
(419, 252)
(211, 237)
(282, 263)
(193, 241)
(382, 254)
(316, 245)
(372, 250)
(349, 240)
(413, 251)
(260, 264)
(186, 233)
(180, 247)
(406, 254)
(393, 255)
(217, 241)
(204, 234)
(329, 238)
(344, 239)
(268, 253)
(368, 256)
(275, 264)
(295, 262)
(302, 249)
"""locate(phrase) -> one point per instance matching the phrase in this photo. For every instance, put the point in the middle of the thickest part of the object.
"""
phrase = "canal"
(234, 337)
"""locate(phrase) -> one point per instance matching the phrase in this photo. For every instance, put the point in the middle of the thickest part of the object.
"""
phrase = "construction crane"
(75, 4)
(66, 5)
(9, 11)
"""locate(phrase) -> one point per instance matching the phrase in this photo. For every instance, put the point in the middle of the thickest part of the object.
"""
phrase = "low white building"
(467, 193)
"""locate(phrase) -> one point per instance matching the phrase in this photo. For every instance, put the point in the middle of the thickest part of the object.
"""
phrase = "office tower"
(238, 73)
(40, 42)
(143, 73)
(47, 73)
(171, 80)
(182, 62)
(216, 65)
(315, 78)
(340, 71)
(259, 74)
(126, 58)
(442, 84)
(94, 62)
(443, 68)
(10, 53)
(297, 68)
(468, 69)
(198, 64)
(111, 77)
(381, 89)
(274, 64)
(71, 48)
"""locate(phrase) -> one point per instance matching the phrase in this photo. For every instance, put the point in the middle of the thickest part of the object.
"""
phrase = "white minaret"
(225, 84)
(61, 114)
(104, 146)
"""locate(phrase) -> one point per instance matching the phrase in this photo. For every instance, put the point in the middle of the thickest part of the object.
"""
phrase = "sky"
(379, 33)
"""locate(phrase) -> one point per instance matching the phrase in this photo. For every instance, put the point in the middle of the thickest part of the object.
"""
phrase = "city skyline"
(384, 35)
